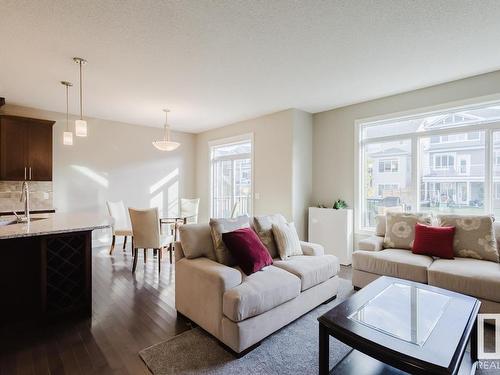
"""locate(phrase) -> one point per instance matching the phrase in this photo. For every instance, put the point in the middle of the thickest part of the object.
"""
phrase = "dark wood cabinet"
(25, 149)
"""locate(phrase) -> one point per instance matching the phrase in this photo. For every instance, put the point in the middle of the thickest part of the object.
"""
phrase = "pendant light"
(81, 124)
(67, 135)
(166, 144)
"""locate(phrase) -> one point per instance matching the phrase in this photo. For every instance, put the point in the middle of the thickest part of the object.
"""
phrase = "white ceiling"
(221, 61)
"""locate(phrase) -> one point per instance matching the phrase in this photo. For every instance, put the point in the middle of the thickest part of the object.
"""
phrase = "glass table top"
(403, 311)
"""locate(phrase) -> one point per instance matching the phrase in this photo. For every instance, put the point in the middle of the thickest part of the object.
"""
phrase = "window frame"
(228, 141)
(487, 126)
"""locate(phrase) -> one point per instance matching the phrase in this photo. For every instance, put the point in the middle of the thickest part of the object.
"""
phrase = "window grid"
(462, 166)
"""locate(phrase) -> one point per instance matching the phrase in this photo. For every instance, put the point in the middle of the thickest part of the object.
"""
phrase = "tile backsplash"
(40, 195)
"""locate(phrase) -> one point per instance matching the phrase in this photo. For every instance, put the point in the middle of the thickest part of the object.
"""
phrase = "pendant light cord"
(81, 92)
(67, 108)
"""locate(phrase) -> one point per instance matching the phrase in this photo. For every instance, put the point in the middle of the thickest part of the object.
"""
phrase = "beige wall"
(116, 162)
(333, 154)
(272, 162)
(302, 169)
(282, 164)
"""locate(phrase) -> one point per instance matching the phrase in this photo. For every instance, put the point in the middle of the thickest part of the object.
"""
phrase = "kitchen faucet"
(25, 194)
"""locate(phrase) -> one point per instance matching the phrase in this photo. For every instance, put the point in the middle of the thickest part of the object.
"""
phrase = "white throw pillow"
(287, 240)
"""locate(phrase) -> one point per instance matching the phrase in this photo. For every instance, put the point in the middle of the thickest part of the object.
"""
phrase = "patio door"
(231, 178)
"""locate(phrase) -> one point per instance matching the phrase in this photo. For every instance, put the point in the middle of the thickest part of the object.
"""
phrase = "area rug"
(291, 350)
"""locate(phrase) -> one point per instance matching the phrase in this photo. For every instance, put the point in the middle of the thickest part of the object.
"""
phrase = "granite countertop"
(45, 224)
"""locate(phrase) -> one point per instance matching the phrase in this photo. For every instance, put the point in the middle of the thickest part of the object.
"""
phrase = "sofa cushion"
(263, 226)
(260, 292)
(219, 226)
(380, 225)
(245, 246)
(474, 236)
(312, 270)
(196, 241)
(477, 278)
(400, 229)
(393, 262)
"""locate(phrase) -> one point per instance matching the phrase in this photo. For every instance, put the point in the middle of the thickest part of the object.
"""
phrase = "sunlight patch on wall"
(157, 201)
(163, 181)
(173, 199)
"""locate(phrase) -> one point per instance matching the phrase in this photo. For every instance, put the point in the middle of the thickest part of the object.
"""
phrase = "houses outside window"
(388, 190)
(456, 168)
(390, 165)
(497, 190)
(444, 161)
(497, 158)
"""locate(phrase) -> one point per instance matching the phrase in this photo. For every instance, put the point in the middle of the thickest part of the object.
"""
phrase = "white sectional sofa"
(241, 310)
(477, 278)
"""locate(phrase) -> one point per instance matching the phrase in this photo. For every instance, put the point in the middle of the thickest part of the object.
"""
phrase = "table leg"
(324, 350)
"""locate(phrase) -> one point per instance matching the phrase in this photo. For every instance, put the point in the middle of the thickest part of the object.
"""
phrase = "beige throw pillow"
(263, 226)
(400, 229)
(219, 226)
(287, 240)
(196, 241)
(474, 236)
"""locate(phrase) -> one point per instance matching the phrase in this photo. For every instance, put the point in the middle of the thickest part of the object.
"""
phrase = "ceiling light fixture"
(67, 135)
(81, 124)
(166, 144)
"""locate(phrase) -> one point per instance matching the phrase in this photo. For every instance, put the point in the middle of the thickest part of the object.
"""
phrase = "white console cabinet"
(334, 230)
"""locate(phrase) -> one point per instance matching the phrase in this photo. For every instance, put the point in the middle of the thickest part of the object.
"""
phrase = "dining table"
(177, 221)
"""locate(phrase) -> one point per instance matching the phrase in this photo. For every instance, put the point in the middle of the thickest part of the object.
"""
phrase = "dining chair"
(147, 234)
(189, 209)
(121, 223)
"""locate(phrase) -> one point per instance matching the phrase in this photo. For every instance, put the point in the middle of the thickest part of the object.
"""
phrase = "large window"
(231, 177)
(446, 162)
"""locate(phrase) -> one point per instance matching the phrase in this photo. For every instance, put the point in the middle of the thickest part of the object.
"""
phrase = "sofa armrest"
(313, 249)
(178, 251)
(200, 285)
(372, 243)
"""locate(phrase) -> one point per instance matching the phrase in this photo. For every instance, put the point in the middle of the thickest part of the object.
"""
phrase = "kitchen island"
(46, 266)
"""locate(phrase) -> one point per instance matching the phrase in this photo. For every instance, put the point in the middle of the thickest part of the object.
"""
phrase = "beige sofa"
(241, 310)
(477, 278)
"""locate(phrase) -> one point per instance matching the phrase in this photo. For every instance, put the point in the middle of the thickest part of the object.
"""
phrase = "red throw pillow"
(245, 246)
(434, 241)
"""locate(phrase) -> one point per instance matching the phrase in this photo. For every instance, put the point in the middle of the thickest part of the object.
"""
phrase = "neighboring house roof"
(394, 151)
(448, 119)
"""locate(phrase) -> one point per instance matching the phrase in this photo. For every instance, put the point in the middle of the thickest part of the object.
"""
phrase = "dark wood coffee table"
(396, 326)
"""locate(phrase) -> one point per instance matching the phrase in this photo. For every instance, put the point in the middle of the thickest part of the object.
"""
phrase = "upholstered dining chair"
(189, 209)
(121, 223)
(147, 234)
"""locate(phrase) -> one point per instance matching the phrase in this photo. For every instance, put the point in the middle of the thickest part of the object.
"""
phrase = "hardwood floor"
(130, 312)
